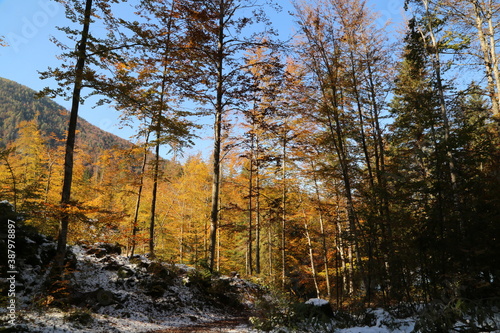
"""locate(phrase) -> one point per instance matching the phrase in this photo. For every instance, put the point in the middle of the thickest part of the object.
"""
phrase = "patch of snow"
(133, 311)
(185, 268)
(178, 304)
(317, 302)
(29, 240)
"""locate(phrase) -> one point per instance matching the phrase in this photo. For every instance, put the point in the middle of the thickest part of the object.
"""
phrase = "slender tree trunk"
(487, 59)
(336, 131)
(257, 215)
(338, 273)
(219, 109)
(139, 197)
(371, 178)
(181, 242)
(154, 194)
(387, 241)
(329, 86)
(283, 214)
(218, 249)
(158, 129)
(270, 253)
(214, 216)
(322, 233)
(494, 58)
(357, 96)
(343, 271)
(311, 255)
(49, 179)
(71, 136)
(250, 210)
(449, 158)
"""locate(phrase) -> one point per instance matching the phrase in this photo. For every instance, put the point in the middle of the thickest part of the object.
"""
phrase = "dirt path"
(228, 325)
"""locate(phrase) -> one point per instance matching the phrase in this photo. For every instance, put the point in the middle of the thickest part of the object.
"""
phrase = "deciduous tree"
(218, 29)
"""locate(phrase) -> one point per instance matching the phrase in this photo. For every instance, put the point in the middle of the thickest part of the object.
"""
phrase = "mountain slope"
(18, 103)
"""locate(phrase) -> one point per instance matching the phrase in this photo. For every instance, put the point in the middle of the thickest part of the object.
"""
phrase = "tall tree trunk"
(343, 270)
(311, 254)
(270, 253)
(487, 59)
(283, 214)
(250, 210)
(158, 128)
(322, 232)
(449, 158)
(359, 107)
(219, 109)
(182, 231)
(214, 215)
(337, 134)
(257, 213)
(139, 197)
(218, 249)
(387, 241)
(50, 170)
(154, 194)
(71, 136)
(330, 87)
(494, 58)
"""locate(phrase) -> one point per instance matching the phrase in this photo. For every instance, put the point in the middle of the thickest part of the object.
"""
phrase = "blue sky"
(27, 26)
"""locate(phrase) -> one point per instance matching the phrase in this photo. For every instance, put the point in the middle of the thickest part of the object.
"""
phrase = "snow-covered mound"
(104, 291)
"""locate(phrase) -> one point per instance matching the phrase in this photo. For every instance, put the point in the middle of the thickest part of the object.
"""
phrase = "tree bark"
(219, 109)
(257, 213)
(311, 254)
(250, 209)
(71, 137)
(487, 60)
(322, 232)
(158, 129)
(139, 197)
(494, 57)
(283, 214)
(154, 194)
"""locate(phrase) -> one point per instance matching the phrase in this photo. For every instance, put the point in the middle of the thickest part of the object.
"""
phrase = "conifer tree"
(5, 157)
(31, 152)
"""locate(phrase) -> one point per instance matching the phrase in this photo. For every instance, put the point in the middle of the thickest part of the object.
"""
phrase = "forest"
(347, 164)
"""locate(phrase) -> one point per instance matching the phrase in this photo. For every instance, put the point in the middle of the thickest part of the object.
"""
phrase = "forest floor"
(108, 292)
(104, 291)
(226, 326)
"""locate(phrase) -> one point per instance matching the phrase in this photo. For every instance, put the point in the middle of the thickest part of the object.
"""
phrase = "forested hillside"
(346, 164)
(18, 104)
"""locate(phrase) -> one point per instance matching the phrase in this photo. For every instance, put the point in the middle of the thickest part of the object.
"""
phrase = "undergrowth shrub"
(460, 315)
(272, 312)
(279, 313)
(80, 318)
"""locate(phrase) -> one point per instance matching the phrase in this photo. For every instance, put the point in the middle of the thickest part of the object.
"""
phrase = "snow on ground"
(142, 301)
(317, 302)
(54, 322)
(176, 305)
(385, 323)
(145, 297)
